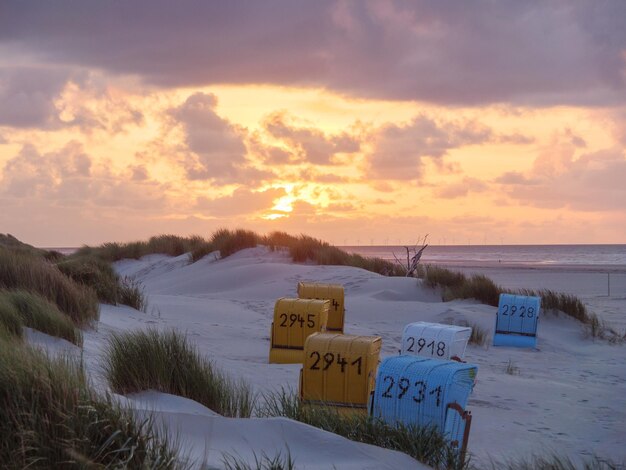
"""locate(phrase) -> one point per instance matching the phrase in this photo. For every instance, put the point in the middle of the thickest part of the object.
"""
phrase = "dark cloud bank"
(446, 52)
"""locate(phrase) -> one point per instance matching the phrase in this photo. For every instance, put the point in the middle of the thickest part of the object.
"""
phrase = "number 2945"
(287, 321)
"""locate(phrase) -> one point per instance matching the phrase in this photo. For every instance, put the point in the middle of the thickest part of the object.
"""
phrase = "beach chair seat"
(294, 321)
(435, 340)
(414, 390)
(339, 371)
(516, 321)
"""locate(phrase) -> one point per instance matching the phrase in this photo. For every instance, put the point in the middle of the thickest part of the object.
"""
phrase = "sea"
(587, 271)
(590, 257)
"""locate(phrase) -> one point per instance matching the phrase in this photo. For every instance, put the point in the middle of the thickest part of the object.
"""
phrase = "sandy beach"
(567, 397)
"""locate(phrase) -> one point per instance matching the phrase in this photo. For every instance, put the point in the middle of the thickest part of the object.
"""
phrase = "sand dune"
(568, 397)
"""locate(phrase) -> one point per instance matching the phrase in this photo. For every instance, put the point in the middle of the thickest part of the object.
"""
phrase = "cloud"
(442, 52)
(515, 178)
(461, 189)
(516, 139)
(214, 147)
(309, 174)
(593, 182)
(308, 143)
(241, 201)
(398, 151)
(138, 172)
(68, 178)
(28, 94)
(343, 207)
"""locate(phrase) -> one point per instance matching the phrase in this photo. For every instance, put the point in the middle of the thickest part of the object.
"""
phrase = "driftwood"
(412, 262)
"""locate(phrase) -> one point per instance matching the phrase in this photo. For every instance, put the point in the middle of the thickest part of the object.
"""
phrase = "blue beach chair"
(425, 392)
(516, 321)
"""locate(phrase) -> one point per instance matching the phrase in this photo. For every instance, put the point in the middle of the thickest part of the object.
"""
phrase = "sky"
(358, 122)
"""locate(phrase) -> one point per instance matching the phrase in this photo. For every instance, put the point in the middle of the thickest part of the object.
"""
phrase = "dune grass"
(264, 462)
(511, 368)
(305, 248)
(39, 314)
(456, 285)
(424, 444)
(35, 274)
(229, 242)
(8, 241)
(167, 362)
(130, 292)
(98, 274)
(50, 418)
(172, 245)
(479, 336)
(94, 272)
(556, 462)
(301, 249)
(11, 322)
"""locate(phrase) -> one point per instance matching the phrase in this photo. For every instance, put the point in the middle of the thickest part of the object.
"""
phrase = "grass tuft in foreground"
(265, 462)
(556, 462)
(50, 418)
(11, 322)
(39, 314)
(167, 362)
(424, 444)
(23, 271)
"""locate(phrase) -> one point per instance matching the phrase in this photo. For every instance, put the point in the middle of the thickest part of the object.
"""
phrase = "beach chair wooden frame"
(457, 427)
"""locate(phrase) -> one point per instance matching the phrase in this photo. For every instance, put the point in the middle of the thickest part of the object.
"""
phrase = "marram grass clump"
(35, 274)
(556, 462)
(39, 314)
(229, 242)
(50, 418)
(279, 461)
(171, 245)
(98, 274)
(305, 248)
(456, 285)
(94, 272)
(479, 336)
(167, 362)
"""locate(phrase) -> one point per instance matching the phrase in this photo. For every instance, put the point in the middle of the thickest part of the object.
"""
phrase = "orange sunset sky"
(360, 122)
